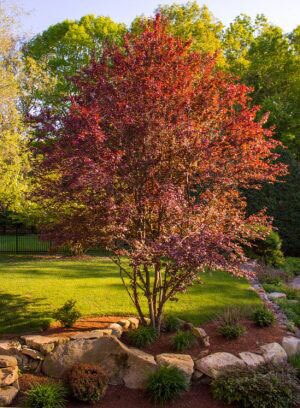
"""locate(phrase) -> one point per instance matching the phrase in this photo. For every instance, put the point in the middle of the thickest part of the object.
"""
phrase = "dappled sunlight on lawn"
(32, 287)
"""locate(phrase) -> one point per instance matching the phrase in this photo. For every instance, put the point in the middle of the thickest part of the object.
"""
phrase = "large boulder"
(108, 352)
(139, 366)
(183, 362)
(217, 364)
(44, 344)
(291, 345)
(251, 359)
(118, 361)
(274, 353)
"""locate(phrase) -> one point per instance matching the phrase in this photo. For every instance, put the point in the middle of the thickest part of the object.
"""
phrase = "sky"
(42, 13)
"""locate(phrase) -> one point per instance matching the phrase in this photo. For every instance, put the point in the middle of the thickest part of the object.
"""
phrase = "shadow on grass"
(20, 314)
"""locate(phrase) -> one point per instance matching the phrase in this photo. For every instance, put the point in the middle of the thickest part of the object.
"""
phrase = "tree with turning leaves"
(154, 151)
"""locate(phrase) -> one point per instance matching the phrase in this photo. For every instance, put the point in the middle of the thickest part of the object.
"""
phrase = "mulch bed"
(198, 396)
(119, 396)
(250, 341)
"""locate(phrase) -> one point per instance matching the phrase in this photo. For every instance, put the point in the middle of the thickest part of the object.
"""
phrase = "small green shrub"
(67, 314)
(263, 317)
(229, 323)
(295, 362)
(143, 336)
(166, 384)
(88, 383)
(269, 250)
(50, 395)
(292, 266)
(172, 323)
(266, 387)
(231, 331)
(183, 340)
(292, 310)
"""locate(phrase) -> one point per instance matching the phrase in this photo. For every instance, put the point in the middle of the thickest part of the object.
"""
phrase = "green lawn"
(32, 287)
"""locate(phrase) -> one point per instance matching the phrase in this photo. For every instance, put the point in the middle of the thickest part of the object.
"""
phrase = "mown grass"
(32, 287)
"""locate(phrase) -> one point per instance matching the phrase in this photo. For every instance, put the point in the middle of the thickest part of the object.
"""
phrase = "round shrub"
(143, 336)
(266, 387)
(269, 249)
(67, 314)
(183, 340)
(88, 383)
(50, 395)
(263, 317)
(166, 384)
(172, 323)
(231, 331)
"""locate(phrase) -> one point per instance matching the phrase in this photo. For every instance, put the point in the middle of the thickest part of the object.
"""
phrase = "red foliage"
(150, 160)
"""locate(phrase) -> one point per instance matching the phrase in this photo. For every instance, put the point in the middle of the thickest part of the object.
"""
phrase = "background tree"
(161, 146)
(60, 51)
(14, 162)
(282, 201)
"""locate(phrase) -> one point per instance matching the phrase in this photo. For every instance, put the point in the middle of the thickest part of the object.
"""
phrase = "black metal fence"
(18, 239)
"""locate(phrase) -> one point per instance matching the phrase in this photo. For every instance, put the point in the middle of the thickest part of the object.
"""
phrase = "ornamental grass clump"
(166, 384)
(183, 340)
(49, 395)
(229, 323)
(142, 336)
(172, 323)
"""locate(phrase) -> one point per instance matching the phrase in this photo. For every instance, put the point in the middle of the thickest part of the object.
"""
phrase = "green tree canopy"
(63, 49)
(14, 162)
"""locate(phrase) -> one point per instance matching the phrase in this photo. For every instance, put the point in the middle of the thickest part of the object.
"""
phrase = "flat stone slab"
(8, 361)
(217, 364)
(44, 344)
(295, 283)
(93, 334)
(274, 353)
(36, 355)
(183, 362)
(9, 347)
(7, 395)
(277, 295)
(252, 359)
(291, 345)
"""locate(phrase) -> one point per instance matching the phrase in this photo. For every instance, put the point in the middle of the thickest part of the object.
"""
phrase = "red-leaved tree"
(150, 161)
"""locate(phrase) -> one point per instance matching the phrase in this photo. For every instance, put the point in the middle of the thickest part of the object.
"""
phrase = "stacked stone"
(9, 385)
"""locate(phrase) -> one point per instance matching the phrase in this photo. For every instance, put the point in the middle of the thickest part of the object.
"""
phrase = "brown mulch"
(198, 396)
(250, 341)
